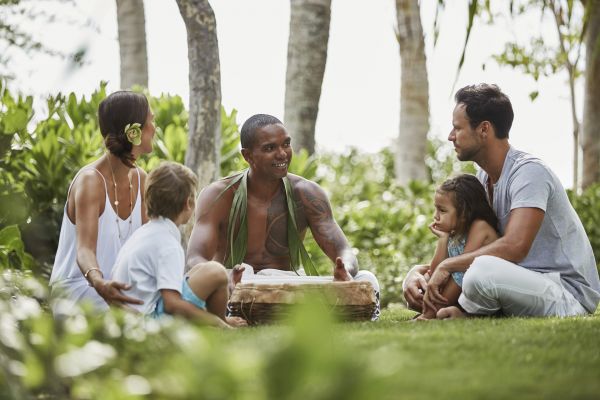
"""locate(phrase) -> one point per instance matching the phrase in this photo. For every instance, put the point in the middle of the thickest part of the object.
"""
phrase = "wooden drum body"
(263, 301)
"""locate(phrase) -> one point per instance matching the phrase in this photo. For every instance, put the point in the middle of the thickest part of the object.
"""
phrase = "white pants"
(493, 284)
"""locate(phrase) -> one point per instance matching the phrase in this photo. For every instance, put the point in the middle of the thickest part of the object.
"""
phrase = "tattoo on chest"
(276, 243)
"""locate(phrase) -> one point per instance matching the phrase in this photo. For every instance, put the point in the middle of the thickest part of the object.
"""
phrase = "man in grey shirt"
(543, 265)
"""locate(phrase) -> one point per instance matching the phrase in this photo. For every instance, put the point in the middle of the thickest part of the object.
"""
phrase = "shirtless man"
(266, 146)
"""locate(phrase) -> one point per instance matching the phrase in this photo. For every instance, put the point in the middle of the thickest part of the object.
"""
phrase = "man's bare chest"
(267, 223)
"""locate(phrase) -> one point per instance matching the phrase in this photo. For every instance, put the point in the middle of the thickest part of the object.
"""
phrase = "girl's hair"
(114, 113)
(470, 200)
(168, 188)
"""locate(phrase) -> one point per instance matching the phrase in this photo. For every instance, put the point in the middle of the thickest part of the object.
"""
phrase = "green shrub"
(123, 356)
(385, 223)
(587, 205)
(12, 250)
(40, 162)
(39, 159)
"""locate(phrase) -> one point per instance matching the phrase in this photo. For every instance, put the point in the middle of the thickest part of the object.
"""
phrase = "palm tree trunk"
(591, 105)
(203, 150)
(414, 95)
(307, 55)
(132, 43)
(204, 124)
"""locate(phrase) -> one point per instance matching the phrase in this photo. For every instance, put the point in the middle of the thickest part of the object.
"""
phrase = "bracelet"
(90, 270)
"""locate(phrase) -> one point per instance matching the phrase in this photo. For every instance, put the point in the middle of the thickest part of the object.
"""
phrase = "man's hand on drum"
(340, 273)
(235, 277)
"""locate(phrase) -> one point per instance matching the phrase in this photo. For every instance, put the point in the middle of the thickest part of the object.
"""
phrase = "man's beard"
(467, 154)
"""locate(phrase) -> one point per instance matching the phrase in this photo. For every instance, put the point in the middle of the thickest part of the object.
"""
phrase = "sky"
(360, 100)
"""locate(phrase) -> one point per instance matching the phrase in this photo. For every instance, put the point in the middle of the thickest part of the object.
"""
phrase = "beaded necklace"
(116, 202)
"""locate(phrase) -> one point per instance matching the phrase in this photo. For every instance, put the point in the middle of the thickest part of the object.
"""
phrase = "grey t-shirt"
(561, 245)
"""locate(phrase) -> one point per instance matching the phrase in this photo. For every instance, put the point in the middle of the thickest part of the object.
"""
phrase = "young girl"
(463, 221)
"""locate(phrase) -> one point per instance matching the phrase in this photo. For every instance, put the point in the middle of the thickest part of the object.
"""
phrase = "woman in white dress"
(105, 205)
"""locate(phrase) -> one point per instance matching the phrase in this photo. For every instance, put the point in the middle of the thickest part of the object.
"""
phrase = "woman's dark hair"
(470, 200)
(485, 102)
(114, 113)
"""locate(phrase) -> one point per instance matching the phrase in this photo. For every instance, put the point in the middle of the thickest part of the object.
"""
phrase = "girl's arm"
(175, 305)
(480, 234)
(441, 251)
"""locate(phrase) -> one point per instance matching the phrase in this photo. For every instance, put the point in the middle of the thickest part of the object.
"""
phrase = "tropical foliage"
(587, 205)
(386, 223)
(120, 356)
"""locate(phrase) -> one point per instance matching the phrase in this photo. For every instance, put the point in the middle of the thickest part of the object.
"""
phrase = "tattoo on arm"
(324, 228)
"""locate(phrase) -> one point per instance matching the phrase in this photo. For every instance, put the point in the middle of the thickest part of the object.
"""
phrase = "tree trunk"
(414, 95)
(204, 124)
(307, 55)
(203, 150)
(132, 43)
(591, 105)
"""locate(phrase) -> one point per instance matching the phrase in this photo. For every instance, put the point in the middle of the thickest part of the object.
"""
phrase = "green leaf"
(237, 215)
(14, 120)
(296, 247)
(12, 249)
(473, 5)
(533, 95)
(237, 239)
(10, 237)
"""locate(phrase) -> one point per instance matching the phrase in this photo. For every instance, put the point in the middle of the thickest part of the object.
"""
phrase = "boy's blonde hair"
(168, 188)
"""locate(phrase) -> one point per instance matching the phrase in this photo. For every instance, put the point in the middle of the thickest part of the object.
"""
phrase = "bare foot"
(340, 273)
(451, 312)
(236, 322)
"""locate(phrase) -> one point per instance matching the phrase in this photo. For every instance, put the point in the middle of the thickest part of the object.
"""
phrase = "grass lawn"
(307, 357)
(500, 358)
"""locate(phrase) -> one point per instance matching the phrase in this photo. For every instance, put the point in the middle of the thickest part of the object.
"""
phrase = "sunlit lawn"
(501, 358)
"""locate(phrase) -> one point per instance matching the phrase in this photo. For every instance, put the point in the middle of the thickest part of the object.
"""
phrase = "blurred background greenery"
(385, 222)
(119, 356)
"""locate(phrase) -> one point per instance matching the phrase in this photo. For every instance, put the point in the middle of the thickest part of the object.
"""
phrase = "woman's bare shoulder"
(88, 178)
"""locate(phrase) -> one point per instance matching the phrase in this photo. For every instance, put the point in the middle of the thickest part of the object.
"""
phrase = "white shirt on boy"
(151, 260)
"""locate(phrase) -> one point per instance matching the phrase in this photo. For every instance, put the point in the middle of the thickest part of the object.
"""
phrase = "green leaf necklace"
(237, 244)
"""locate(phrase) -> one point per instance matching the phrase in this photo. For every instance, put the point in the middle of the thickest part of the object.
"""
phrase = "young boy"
(153, 261)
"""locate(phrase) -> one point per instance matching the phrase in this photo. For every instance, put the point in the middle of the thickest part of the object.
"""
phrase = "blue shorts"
(458, 277)
(186, 294)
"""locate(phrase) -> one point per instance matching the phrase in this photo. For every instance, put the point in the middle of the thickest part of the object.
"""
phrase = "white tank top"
(66, 277)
